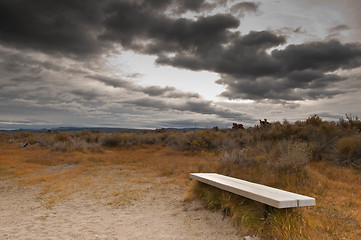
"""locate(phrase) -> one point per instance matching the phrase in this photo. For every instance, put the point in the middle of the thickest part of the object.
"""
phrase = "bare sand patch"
(116, 204)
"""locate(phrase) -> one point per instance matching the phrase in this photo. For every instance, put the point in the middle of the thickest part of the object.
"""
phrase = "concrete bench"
(270, 196)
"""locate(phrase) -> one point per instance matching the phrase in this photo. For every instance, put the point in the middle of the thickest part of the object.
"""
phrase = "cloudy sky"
(173, 63)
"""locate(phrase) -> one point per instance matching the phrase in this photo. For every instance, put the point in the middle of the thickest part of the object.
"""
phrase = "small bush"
(88, 136)
(349, 148)
(293, 155)
(60, 146)
(109, 140)
(244, 157)
(31, 139)
(314, 120)
(348, 145)
(78, 144)
(62, 137)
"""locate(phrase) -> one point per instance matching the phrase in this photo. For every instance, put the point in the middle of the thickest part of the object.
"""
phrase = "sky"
(171, 63)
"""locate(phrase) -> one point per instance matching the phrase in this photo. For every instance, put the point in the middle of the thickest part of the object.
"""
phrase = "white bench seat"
(270, 196)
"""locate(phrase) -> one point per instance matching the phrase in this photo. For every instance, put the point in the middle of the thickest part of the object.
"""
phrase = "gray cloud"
(87, 94)
(351, 11)
(339, 28)
(194, 123)
(287, 31)
(133, 75)
(157, 91)
(306, 85)
(168, 92)
(15, 62)
(241, 8)
(114, 82)
(192, 5)
(194, 106)
(41, 42)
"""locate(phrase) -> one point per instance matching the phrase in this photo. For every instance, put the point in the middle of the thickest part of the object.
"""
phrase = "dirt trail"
(141, 209)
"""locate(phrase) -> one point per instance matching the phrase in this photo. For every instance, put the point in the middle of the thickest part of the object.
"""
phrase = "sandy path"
(160, 213)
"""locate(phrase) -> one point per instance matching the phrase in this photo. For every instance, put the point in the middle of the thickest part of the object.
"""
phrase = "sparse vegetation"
(312, 157)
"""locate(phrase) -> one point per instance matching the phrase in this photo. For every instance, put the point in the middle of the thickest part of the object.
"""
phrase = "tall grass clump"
(253, 217)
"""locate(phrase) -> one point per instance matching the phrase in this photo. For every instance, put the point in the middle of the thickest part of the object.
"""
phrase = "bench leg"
(267, 210)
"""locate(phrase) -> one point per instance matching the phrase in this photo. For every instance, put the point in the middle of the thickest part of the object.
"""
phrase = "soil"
(145, 207)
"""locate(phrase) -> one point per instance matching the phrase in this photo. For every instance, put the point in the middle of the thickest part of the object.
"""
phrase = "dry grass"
(96, 174)
(61, 175)
(123, 196)
(337, 191)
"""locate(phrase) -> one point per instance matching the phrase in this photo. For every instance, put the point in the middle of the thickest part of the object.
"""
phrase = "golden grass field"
(62, 174)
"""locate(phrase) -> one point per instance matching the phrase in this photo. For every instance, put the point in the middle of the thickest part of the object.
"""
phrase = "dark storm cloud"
(245, 56)
(65, 27)
(72, 28)
(132, 25)
(240, 8)
(90, 28)
(297, 72)
(324, 56)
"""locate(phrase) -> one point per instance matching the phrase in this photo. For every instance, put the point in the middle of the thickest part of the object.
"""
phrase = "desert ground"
(103, 202)
(89, 185)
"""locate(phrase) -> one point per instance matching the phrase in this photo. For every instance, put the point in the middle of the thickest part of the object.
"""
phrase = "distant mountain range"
(98, 129)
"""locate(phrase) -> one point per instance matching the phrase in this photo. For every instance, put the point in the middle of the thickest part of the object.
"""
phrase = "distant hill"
(98, 129)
